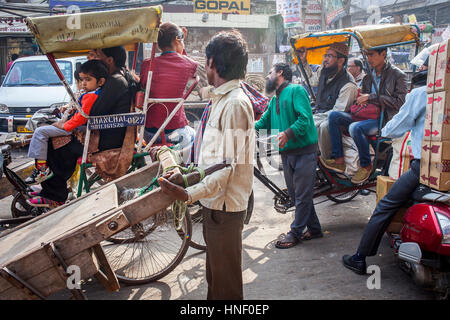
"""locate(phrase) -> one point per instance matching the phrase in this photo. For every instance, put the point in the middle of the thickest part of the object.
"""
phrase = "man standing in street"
(336, 89)
(289, 113)
(228, 135)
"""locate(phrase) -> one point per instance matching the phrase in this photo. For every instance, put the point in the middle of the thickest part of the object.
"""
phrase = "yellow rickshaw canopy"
(76, 34)
(369, 36)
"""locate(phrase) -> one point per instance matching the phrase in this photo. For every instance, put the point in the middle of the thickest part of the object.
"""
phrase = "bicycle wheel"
(149, 250)
(343, 197)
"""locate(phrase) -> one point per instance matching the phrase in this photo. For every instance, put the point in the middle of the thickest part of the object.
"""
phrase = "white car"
(32, 84)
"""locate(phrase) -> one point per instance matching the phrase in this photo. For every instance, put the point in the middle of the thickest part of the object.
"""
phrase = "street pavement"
(311, 270)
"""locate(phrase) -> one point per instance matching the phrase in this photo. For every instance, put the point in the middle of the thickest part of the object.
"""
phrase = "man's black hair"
(286, 70)
(95, 68)
(229, 52)
(359, 64)
(341, 56)
(379, 50)
(14, 56)
(119, 54)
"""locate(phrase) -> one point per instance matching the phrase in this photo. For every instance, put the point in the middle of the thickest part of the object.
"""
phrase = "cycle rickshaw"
(148, 249)
(337, 187)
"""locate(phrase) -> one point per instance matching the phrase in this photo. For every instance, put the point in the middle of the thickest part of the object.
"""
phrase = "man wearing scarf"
(289, 113)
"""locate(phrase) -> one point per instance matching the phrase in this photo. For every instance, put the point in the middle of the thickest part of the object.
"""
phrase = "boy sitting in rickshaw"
(363, 120)
(92, 75)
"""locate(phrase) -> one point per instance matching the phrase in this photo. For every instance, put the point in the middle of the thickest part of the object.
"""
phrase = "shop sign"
(222, 6)
(13, 25)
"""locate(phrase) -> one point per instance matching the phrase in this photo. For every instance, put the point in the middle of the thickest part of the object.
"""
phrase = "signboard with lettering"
(334, 10)
(313, 23)
(116, 121)
(13, 25)
(313, 6)
(222, 6)
(291, 12)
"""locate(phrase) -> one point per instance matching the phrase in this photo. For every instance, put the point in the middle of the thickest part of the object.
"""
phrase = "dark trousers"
(299, 174)
(386, 209)
(222, 232)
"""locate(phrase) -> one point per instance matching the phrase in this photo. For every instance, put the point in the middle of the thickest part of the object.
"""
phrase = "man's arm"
(313, 76)
(302, 107)
(347, 96)
(405, 119)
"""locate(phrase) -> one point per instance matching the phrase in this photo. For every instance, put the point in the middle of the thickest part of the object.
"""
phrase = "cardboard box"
(437, 117)
(442, 72)
(384, 183)
(435, 165)
(432, 61)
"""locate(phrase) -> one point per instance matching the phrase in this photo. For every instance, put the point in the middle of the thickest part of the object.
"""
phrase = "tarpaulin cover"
(76, 34)
(369, 36)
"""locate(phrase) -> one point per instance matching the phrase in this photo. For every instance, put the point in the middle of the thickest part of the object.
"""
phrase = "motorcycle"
(423, 244)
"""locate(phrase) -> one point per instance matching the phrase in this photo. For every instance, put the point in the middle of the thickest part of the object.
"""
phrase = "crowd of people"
(349, 101)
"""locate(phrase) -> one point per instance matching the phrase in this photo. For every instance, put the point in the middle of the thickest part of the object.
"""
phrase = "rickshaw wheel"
(343, 197)
(19, 206)
(149, 250)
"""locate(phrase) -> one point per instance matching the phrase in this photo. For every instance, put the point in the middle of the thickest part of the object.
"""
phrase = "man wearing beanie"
(336, 91)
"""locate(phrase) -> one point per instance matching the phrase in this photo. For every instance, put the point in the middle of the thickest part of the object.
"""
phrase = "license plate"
(22, 129)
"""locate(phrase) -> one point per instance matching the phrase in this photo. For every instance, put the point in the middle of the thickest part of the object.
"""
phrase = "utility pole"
(322, 4)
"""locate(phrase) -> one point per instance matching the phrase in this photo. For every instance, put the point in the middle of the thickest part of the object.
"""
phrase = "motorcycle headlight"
(4, 108)
(444, 221)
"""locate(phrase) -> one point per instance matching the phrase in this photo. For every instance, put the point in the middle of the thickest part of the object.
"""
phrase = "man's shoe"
(358, 267)
(39, 176)
(332, 165)
(361, 175)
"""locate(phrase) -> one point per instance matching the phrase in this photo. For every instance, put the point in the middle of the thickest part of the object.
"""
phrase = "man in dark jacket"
(289, 113)
(390, 95)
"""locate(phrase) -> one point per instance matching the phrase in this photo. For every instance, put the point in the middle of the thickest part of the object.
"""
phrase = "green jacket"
(295, 118)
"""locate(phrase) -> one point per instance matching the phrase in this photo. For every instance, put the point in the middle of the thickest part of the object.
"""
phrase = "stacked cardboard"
(435, 157)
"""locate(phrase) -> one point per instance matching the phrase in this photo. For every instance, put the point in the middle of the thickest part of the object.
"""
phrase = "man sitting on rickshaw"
(171, 72)
(336, 90)
(115, 98)
(392, 84)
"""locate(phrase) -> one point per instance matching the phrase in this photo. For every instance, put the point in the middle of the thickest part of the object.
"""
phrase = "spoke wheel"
(149, 250)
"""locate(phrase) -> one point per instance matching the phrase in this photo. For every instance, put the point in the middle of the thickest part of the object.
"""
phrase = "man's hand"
(282, 139)
(302, 53)
(363, 99)
(59, 125)
(172, 189)
(63, 108)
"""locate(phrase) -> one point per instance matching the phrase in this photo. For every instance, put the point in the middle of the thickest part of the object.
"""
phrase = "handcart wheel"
(148, 250)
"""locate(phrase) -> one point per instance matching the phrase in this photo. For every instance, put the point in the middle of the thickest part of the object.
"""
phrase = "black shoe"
(358, 267)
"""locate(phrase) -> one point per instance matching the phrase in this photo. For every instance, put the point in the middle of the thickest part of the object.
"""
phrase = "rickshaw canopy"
(76, 34)
(368, 37)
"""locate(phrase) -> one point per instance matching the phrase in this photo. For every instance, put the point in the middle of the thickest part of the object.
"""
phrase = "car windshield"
(37, 73)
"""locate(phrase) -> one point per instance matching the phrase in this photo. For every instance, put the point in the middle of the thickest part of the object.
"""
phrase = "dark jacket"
(328, 93)
(393, 89)
(115, 98)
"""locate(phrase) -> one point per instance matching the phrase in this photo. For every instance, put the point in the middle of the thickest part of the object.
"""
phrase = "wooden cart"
(37, 256)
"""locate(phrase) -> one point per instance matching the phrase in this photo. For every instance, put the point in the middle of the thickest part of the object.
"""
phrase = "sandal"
(288, 242)
(308, 236)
